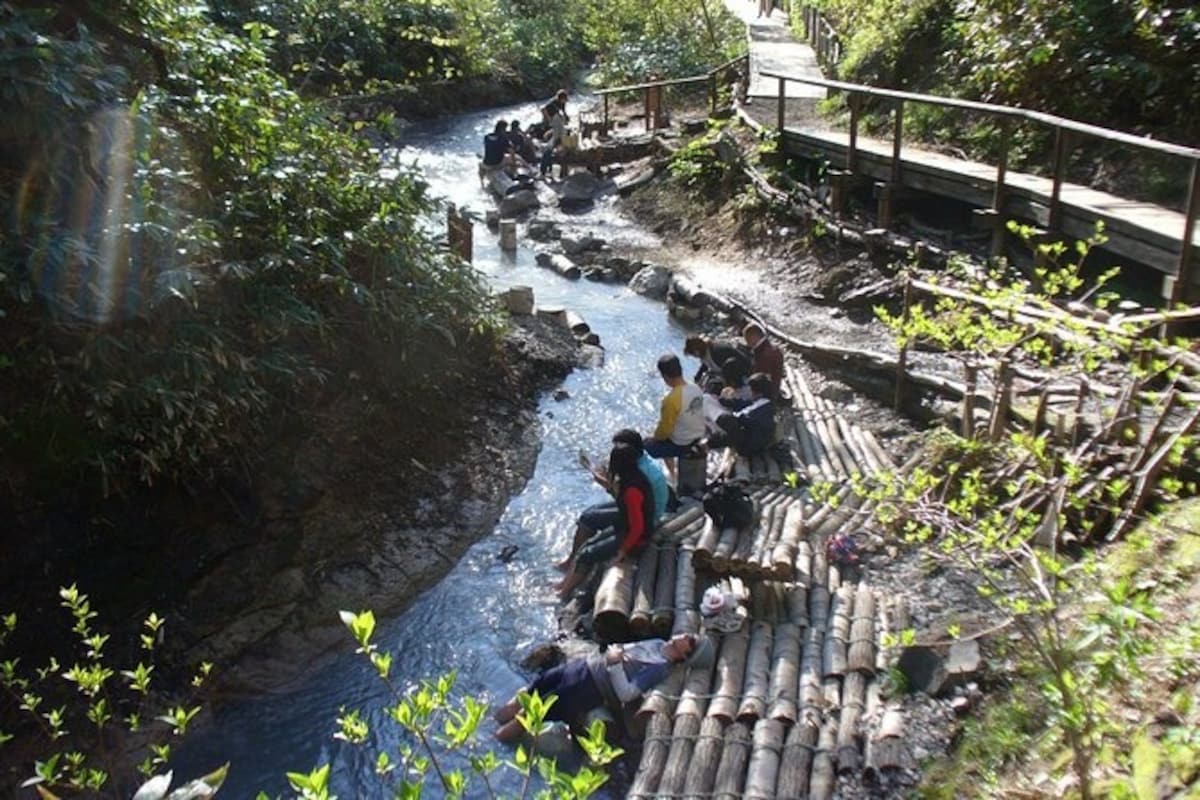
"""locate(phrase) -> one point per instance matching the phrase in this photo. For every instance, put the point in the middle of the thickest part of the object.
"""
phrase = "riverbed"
(485, 614)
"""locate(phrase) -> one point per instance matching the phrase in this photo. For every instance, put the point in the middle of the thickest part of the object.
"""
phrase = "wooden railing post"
(1180, 291)
(646, 105)
(899, 133)
(605, 115)
(782, 102)
(1002, 167)
(1060, 168)
(855, 103)
(712, 94)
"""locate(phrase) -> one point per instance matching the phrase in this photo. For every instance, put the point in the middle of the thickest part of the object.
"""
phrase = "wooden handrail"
(994, 109)
(633, 87)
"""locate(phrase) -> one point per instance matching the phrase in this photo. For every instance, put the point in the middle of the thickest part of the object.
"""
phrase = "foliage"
(697, 163)
(190, 253)
(78, 728)
(1007, 507)
(669, 39)
(438, 726)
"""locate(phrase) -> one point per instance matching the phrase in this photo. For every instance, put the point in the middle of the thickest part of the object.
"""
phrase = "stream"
(484, 615)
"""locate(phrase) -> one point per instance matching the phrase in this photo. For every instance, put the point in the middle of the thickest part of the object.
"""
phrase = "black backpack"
(729, 505)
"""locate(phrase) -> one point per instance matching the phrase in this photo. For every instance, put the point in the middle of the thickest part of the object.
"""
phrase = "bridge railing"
(652, 89)
(822, 36)
(1066, 132)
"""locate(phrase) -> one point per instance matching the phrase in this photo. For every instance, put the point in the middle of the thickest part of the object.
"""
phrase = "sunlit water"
(485, 614)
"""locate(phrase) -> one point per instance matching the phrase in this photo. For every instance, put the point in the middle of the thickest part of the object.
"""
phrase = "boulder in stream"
(652, 281)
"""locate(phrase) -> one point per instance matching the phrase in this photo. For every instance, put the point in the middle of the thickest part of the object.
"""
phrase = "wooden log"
(731, 772)
(725, 547)
(811, 694)
(731, 670)
(663, 615)
(785, 666)
(818, 608)
(833, 657)
(882, 458)
(783, 554)
(853, 695)
(664, 697)
(887, 747)
(804, 563)
(831, 691)
(683, 742)
(763, 770)
(706, 757)
(766, 556)
(613, 603)
(685, 583)
(757, 679)
(796, 759)
(562, 265)
(853, 446)
(823, 780)
(797, 605)
(861, 655)
(655, 746)
(686, 621)
(677, 526)
(883, 630)
(641, 617)
(707, 541)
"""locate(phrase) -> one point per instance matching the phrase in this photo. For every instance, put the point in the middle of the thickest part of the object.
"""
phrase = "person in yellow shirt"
(681, 414)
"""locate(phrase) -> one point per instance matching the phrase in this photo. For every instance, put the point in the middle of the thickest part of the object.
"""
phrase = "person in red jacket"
(635, 503)
(767, 358)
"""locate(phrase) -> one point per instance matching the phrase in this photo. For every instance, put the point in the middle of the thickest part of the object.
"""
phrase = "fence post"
(855, 103)
(782, 102)
(1060, 167)
(896, 142)
(999, 232)
(712, 93)
(605, 115)
(1183, 277)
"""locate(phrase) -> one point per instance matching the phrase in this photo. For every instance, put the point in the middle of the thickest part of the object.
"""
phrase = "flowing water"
(484, 614)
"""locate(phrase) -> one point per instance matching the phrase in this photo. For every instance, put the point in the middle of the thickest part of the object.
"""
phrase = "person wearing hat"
(613, 678)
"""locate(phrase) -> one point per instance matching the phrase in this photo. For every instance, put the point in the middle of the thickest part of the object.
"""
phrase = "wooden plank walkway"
(1143, 232)
(773, 48)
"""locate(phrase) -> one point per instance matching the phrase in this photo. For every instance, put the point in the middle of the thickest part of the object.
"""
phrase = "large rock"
(518, 202)
(580, 189)
(652, 281)
(543, 230)
(573, 245)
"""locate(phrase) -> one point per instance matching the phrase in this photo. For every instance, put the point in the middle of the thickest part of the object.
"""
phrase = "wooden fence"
(652, 89)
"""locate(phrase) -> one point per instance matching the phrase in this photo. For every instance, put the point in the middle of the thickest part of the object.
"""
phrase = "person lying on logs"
(597, 517)
(611, 679)
(713, 354)
(749, 425)
(635, 518)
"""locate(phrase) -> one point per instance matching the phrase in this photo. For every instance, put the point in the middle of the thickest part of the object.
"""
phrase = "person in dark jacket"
(496, 146)
(613, 678)
(520, 143)
(635, 504)
(749, 426)
(713, 354)
(766, 357)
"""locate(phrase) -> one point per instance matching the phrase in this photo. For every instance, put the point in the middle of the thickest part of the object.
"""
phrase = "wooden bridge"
(1142, 232)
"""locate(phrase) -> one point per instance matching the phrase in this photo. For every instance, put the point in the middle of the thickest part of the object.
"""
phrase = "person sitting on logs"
(597, 517)
(681, 415)
(749, 426)
(765, 356)
(713, 353)
(520, 143)
(613, 678)
(496, 151)
(634, 523)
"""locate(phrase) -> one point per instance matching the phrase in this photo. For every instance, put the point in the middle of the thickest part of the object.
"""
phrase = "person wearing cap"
(613, 678)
